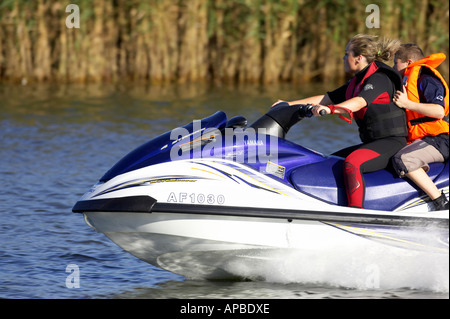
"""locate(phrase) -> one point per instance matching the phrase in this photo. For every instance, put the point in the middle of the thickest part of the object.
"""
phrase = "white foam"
(366, 266)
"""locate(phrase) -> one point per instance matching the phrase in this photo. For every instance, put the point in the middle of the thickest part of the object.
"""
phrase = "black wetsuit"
(377, 89)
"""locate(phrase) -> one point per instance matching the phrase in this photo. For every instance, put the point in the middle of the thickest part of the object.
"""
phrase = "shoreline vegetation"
(213, 41)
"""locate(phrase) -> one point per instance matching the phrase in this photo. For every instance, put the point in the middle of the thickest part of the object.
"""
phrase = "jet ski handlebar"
(281, 117)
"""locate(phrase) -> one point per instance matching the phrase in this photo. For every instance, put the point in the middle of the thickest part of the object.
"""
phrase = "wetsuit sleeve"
(375, 86)
(431, 90)
(338, 95)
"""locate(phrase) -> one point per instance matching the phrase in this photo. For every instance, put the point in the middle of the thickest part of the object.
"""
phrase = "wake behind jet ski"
(196, 198)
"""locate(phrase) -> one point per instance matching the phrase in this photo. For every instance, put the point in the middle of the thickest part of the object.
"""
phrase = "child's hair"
(372, 49)
(409, 51)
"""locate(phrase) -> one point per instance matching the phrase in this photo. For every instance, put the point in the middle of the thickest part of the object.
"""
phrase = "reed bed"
(166, 41)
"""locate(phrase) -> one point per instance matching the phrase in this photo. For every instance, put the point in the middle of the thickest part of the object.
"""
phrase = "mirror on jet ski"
(237, 122)
(282, 117)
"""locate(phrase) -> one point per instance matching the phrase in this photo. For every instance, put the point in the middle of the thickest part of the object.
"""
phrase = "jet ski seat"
(384, 189)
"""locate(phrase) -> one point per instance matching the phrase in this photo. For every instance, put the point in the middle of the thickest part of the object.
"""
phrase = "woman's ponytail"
(372, 49)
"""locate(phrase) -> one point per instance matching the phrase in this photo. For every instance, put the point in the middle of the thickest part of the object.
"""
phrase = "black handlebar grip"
(323, 112)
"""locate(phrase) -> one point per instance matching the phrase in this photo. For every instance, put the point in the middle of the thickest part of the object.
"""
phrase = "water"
(57, 141)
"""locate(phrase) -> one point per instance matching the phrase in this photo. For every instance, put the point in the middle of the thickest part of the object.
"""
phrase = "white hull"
(200, 224)
(200, 246)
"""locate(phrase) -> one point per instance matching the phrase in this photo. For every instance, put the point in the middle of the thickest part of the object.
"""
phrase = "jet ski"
(196, 199)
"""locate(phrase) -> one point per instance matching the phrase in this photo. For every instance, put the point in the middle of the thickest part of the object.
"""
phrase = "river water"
(56, 141)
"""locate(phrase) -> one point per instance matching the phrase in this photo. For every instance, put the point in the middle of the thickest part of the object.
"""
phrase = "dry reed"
(162, 41)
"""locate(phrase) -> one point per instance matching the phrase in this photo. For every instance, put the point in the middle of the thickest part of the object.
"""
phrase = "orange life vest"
(419, 125)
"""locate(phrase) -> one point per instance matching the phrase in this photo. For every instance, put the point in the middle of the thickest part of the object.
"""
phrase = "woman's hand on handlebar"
(320, 110)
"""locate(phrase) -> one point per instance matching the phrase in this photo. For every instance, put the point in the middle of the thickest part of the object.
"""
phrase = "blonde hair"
(372, 49)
